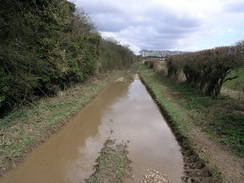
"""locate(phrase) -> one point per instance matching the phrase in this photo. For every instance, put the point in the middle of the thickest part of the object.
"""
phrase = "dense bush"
(45, 46)
(113, 55)
(207, 70)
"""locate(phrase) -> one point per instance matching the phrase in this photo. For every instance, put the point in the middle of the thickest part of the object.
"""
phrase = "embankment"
(205, 159)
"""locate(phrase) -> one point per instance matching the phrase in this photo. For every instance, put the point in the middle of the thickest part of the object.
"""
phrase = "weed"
(112, 165)
(222, 118)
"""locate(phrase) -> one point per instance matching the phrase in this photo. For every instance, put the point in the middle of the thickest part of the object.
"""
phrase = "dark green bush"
(207, 70)
(46, 46)
(113, 55)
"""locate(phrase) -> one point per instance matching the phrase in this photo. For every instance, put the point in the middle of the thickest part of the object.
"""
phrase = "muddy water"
(125, 112)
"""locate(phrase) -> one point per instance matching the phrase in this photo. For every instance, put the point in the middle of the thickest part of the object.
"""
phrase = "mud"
(112, 165)
(125, 112)
(195, 168)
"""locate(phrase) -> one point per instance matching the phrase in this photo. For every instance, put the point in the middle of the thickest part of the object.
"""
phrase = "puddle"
(125, 112)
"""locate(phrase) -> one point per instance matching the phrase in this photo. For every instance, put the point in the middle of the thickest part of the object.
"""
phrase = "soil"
(239, 95)
(202, 156)
(231, 166)
(123, 111)
(154, 176)
(112, 165)
(228, 164)
(121, 79)
(11, 162)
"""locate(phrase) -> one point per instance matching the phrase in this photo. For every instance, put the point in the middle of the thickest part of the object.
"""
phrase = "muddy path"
(123, 111)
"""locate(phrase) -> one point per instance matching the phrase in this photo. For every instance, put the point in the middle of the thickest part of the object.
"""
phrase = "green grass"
(112, 165)
(238, 83)
(180, 120)
(27, 126)
(222, 118)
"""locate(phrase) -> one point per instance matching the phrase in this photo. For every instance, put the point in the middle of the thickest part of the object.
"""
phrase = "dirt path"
(228, 164)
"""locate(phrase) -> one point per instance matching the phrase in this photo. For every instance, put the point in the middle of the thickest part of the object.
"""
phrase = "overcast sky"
(186, 25)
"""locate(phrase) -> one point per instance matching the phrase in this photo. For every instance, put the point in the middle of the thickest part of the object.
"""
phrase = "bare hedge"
(207, 70)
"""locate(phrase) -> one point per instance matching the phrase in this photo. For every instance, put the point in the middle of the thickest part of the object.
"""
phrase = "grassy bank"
(237, 83)
(112, 165)
(185, 109)
(28, 126)
(195, 167)
(222, 118)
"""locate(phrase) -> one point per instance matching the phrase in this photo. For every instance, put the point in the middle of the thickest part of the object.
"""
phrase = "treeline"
(113, 55)
(207, 70)
(46, 45)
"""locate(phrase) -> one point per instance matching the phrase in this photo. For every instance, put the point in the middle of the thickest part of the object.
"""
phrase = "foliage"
(207, 70)
(114, 55)
(46, 46)
(171, 103)
(238, 83)
(222, 118)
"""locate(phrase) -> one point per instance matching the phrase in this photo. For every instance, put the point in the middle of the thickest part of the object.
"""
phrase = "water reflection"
(122, 111)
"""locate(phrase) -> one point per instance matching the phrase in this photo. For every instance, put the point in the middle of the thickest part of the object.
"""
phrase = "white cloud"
(230, 30)
(168, 24)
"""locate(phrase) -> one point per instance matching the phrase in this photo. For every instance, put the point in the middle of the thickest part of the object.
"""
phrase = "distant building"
(158, 53)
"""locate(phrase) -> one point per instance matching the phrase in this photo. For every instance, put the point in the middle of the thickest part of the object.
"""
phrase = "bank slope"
(200, 152)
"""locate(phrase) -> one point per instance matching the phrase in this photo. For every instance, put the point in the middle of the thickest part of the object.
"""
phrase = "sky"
(185, 25)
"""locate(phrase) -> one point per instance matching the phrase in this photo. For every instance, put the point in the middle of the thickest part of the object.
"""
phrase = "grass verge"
(26, 127)
(222, 118)
(238, 83)
(195, 166)
(235, 88)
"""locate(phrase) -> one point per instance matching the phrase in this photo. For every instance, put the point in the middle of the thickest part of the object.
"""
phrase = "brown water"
(122, 111)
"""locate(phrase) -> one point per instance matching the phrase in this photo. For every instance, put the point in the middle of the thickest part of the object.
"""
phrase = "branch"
(230, 78)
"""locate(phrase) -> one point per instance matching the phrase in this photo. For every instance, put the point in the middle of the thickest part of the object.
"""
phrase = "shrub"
(46, 45)
(207, 70)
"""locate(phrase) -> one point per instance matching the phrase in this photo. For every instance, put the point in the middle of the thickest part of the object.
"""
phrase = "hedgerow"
(207, 70)
(45, 46)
